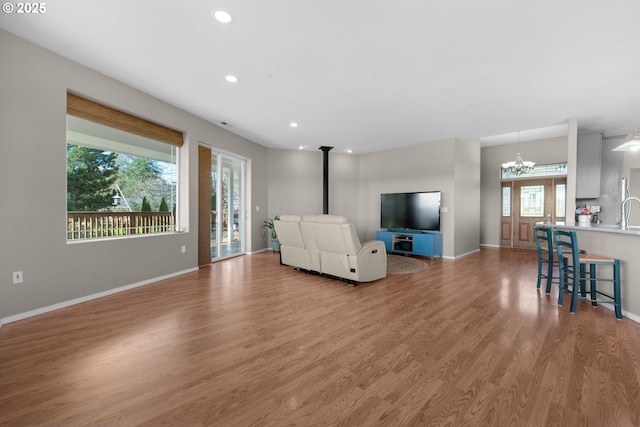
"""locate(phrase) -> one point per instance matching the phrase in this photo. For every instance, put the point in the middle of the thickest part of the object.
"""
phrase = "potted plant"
(269, 227)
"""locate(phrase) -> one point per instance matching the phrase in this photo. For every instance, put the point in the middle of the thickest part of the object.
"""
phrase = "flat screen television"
(415, 211)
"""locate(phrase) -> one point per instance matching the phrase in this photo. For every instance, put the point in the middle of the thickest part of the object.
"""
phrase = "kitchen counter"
(602, 228)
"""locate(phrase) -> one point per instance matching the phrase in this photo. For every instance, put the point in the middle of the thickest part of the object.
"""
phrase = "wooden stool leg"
(563, 279)
(578, 283)
(583, 279)
(616, 289)
(549, 273)
(592, 283)
(539, 272)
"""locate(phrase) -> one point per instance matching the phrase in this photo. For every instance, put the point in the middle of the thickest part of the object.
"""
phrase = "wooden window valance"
(107, 116)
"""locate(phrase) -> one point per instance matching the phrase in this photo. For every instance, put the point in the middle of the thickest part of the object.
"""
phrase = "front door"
(526, 202)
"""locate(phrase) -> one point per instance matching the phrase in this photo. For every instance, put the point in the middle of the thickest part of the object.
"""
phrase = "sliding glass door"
(227, 205)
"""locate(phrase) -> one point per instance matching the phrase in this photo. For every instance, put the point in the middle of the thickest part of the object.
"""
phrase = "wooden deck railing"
(91, 225)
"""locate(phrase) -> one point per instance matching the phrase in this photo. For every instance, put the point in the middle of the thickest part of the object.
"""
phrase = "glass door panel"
(532, 201)
(215, 229)
(561, 201)
(506, 219)
(227, 205)
(533, 197)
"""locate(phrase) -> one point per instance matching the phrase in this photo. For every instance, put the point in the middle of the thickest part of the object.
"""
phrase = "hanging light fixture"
(519, 166)
(631, 144)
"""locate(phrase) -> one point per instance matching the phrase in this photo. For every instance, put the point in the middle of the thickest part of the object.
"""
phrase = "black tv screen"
(415, 211)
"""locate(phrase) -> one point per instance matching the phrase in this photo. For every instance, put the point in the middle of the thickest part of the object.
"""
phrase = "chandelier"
(519, 166)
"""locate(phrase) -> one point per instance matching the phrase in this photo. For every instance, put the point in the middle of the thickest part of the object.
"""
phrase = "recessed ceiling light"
(349, 151)
(293, 124)
(222, 16)
(301, 147)
(231, 79)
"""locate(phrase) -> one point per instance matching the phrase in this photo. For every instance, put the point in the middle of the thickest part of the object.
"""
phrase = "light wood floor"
(250, 342)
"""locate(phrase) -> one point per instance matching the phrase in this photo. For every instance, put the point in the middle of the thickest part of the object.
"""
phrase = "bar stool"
(546, 256)
(574, 275)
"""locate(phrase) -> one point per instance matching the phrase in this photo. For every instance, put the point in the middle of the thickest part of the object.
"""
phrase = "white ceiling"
(366, 75)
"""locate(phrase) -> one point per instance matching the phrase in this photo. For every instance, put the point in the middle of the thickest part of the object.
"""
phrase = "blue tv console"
(413, 242)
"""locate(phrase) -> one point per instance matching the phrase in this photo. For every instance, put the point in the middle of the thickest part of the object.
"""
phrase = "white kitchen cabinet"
(589, 166)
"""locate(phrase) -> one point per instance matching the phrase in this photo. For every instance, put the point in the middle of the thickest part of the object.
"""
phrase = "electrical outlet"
(17, 277)
(184, 248)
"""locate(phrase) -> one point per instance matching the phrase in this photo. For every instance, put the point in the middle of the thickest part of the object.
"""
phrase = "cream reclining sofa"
(328, 244)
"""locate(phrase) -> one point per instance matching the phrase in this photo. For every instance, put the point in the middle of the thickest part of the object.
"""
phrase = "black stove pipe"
(325, 179)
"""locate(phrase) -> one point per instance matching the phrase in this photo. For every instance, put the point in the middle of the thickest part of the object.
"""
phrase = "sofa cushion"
(293, 250)
(331, 219)
(288, 231)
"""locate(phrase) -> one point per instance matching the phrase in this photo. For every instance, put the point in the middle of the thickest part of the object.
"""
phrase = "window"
(553, 169)
(506, 201)
(532, 201)
(561, 199)
(122, 173)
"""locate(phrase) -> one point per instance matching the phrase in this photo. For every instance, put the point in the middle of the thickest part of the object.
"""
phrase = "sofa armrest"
(372, 245)
(370, 263)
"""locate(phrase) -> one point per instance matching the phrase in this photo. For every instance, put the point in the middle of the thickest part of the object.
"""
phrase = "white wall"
(296, 181)
(33, 176)
(467, 197)
(422, 167)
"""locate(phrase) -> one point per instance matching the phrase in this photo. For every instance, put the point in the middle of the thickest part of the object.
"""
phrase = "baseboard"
(37, 311)
(259, 250)
(625, 313)
(629, 315)
(461, 255)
